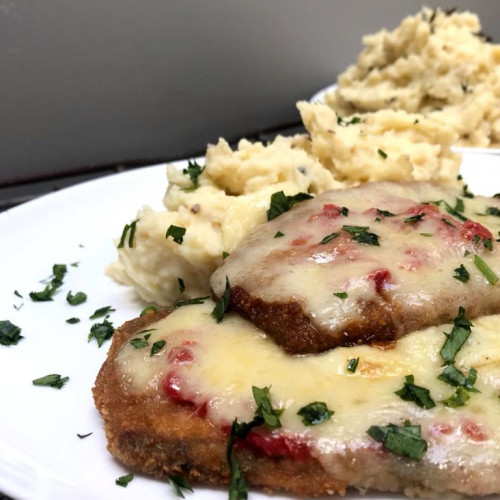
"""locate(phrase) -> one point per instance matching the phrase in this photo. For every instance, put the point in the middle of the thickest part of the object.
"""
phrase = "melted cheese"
(418, 257)
(231, 357)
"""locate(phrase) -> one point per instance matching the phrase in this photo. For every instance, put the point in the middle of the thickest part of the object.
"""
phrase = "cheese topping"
(216, 365)
(380, 243)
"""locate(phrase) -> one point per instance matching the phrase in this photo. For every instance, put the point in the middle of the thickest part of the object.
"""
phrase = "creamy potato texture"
(436, 63)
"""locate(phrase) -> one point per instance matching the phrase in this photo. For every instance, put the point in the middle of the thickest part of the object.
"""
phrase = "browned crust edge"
(158, 436)
(293, 329)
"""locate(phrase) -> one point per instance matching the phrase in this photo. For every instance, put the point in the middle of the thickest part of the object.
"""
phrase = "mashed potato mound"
(386, 145)
(437, 63)
(232, 192)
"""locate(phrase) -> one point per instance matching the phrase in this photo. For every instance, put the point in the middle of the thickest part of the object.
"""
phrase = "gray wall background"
(85, 83)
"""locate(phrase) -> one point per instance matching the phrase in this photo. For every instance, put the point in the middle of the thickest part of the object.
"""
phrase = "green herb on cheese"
(264, 407)
(486, 270)
(341, 295)
(461, 274)
(190, 302)
(352, 365)
(459, 398)
(221, 306)
(456, 338)
(361, 235)
(182, 287)
(419, 395)
(329, 238)
(382, 154)
(157, 347)
(315, 413)
(279, 234)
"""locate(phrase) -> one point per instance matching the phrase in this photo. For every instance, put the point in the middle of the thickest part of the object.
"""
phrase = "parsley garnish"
(459, 398)
(405, 441)
(177, 233)
(225, 255)
(279, 234)
(329, 238)
(52, 380)
(73, 321)
(83, 436)
(147, 309)
(190, 302)
(182, 287)
(345, 123)
(102, 311)
(419, 395)
(194, 171)
(264, 407)
(78, 298)
(344, 211)
(315, 413)
(493, 211)
(179, 483)
(101, 332)
(361, 235)
(138, 343)
(281, 203)
(58, 273)
(381, 153)
(157, 347)
(461, 274)
(130, 230)
(456, 339)
(486, 270)
(456, 211)
(124, 480)
(341, 295)
(17, 294)
(10, 334)
(384, 213)
(221, 306)
(453, 376)
(414, 218)
(466, 193)
(426, 235)
(488, 244)
(352, 365)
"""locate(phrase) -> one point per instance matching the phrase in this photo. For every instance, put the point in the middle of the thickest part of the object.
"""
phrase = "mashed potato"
(437, 63)
(233, 191)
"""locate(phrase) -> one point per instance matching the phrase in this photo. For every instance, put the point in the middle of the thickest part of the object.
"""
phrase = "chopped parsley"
(182, 287)
(128, 229)
(101, 332)
(73, 321)
(456, 339)
(77, 298)
(190, 302)
(83, 436)
(461, 274)
(147, 309)
(179, 483)
(157, 347)
(225, 255)
(279, 234)
(459, 398)
(405, 441)
(329, 238)
(345, 123)
(264, 407)
(455, 212)
(17, 294)
(385, 213)
(466, 193)
(352, 365)
(341, 295)
(315, 413)
(488, 244)
(486, 270)
(419, 395)
(139, 343)
(194, 171)
(381, 153)
(451, 375)
(10, 334)
(281, 203)
(58, 273)
(53, 380)
(102, 311)
(177, 233)
(124, 480)
(344, 211)
(361, 235)
(221, 306)
(493, 211)
(426, 235)
(414, 218)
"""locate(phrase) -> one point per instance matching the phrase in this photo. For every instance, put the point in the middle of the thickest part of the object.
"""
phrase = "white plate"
(319, 97)
(41, 456)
